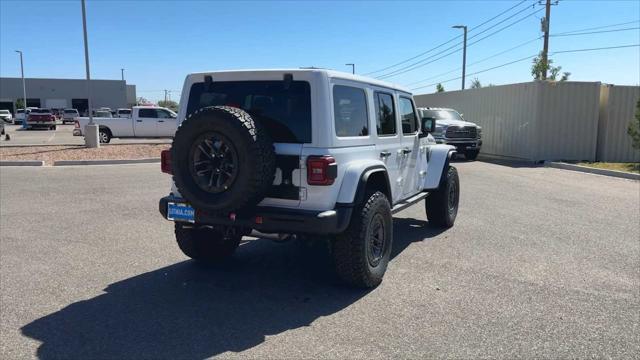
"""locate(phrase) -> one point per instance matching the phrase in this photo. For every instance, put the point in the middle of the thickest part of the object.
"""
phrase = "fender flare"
(439, 154)
(356, 178)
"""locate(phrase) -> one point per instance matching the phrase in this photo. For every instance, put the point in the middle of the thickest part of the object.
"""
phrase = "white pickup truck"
(145, 121)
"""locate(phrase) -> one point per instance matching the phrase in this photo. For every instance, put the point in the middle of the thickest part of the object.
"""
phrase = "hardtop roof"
(329, 73)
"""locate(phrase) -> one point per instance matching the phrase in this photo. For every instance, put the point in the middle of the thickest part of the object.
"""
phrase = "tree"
(20, 104)
(142, 101)
(169, 104)
(539, 66)
(634, 128)
(439, 88)
(475, 84)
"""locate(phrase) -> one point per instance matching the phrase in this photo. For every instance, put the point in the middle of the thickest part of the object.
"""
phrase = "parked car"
(20, 115)
(70, 115)
(146, 121)
(302, 153)
(57, 113)
(123, 113)
(5, 116)
(452, 129)
(41, 118)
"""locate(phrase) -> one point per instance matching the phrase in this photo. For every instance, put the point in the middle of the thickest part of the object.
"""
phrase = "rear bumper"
(275, 220)
(40, 123)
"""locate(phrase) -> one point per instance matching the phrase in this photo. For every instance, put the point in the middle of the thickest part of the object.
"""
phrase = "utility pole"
(165, 95)
(546, 25)
(353, 68)
(122, 73)
(464, 52)
(91, 129)
(24, 92)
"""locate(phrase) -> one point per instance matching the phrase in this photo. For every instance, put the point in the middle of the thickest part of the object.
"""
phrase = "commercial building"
(67, 93)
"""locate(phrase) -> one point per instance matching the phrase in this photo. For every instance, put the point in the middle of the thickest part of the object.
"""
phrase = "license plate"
(180, 212)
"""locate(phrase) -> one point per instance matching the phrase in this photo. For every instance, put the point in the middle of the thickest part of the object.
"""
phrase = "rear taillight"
(321, 170)
(165, 162)
(76, 124)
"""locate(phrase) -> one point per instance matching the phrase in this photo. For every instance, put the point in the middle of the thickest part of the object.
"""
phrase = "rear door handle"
(385, 154)
(160, 120)
(406, 151)
(138, 120)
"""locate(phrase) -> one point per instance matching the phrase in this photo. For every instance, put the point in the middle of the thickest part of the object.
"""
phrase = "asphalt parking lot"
(62, 136)
(542, 263)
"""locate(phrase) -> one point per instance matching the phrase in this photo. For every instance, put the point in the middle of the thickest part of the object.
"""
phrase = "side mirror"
(428, 125)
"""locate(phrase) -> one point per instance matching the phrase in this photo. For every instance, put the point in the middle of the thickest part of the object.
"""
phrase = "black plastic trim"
(275, 219)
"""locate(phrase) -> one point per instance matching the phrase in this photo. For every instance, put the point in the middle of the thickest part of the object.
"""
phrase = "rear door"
(389, 142)
(145, 123)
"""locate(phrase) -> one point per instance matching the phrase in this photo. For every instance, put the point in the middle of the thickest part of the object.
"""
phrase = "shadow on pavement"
(191, 311)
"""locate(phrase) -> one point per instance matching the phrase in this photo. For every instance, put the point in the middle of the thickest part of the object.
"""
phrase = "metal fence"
(547, 120)
(617, 109)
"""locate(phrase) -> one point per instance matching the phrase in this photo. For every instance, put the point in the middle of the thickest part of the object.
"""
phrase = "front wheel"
(104, 136)
(206, 244)
(361, 254)
(442, 204)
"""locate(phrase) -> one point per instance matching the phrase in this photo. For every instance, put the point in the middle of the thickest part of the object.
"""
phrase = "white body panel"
(136, 126)
(408, 171)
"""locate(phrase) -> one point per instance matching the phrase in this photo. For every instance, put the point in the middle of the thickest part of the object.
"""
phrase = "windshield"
(125, 112)
(442, 114)
(71, 111)
(41, 111)
(285, 111)
(4, 111)
(103, 114)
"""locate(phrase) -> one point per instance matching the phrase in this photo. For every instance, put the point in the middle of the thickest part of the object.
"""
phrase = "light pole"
(91, 129)
(24, 92)
(122, 73)
(353, 68)
(464, 51)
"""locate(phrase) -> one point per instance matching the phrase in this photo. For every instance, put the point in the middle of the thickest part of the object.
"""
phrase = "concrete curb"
(586, 169)
(105, 162)
(21, 163)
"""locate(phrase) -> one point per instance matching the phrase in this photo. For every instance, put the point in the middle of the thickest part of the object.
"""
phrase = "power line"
(424, 62)
(594, 49)
(595, 32)
(448, 41)
(480, 61)
(528, 58)
(599, 27)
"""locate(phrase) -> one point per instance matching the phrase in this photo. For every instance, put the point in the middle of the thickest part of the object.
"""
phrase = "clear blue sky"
(160, 42)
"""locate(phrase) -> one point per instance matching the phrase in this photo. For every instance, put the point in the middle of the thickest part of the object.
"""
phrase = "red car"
(42, 118)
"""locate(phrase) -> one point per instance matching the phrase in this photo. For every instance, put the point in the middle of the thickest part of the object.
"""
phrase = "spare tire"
(223, 160)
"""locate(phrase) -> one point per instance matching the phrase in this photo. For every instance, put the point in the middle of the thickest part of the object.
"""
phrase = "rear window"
(41, 111)
(4, 111)
(71, 111)
(126, 112)
(284, 111)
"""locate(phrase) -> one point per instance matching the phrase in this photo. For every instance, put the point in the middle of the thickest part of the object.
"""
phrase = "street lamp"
(353, 68)
(91, 129)
(24, 92)
(464, 51)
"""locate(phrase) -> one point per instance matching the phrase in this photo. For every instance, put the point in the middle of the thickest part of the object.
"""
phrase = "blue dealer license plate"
(180, 212)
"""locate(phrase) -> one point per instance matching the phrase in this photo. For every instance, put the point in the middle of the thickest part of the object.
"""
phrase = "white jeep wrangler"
(303, 153)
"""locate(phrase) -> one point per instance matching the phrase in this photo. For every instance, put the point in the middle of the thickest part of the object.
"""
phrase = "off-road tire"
(471, 154)
(254, 149)
(351, 250)
(104, 136)
(442, 206)
(204, 243)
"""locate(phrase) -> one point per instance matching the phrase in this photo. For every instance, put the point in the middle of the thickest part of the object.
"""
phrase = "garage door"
(55, 103)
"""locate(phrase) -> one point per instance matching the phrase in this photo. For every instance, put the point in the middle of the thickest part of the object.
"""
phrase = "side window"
(163, 114)
(350, 111)
(408, 116)
(385, 114)
(147, 113)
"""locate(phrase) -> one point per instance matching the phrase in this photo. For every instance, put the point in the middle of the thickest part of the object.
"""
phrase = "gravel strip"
(50, 154)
